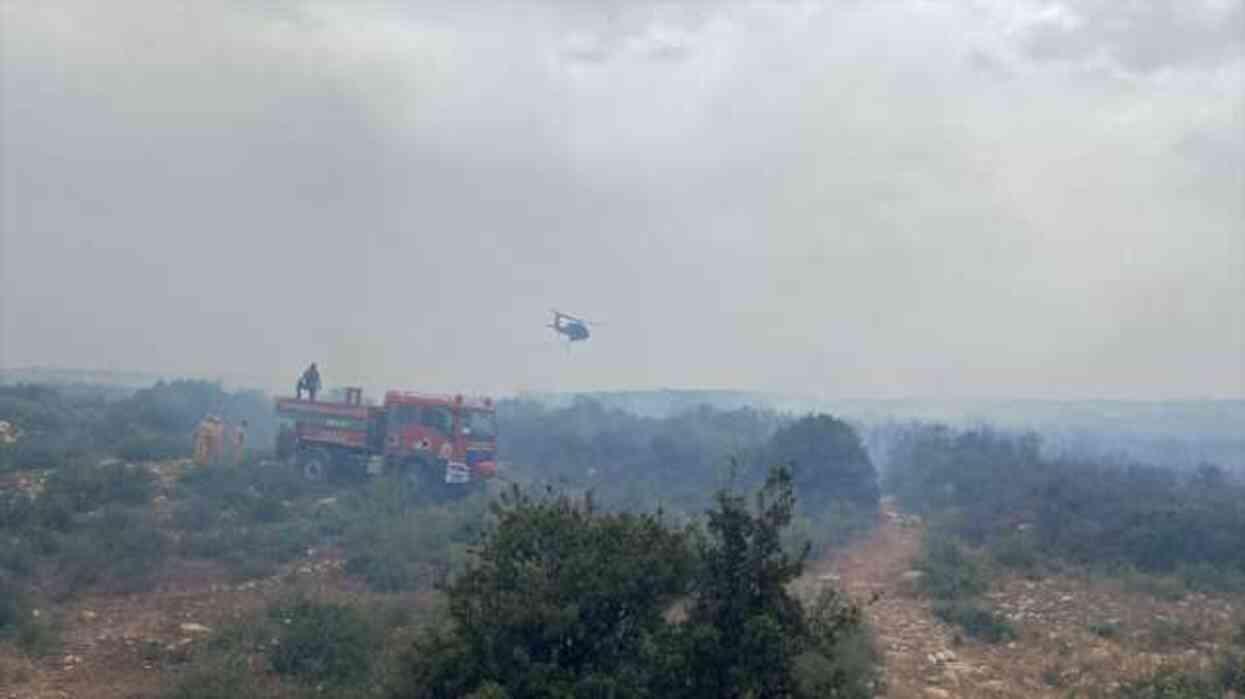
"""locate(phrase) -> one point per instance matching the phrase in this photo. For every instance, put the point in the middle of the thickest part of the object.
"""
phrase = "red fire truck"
(444, 442)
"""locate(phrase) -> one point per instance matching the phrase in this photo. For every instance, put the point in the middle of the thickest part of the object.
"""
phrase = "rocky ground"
(1076, 635)
(124, 646)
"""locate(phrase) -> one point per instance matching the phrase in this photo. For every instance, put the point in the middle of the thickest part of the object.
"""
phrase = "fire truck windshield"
(480, 424)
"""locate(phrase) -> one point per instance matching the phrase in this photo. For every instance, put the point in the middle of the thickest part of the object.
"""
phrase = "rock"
(87, 615)
(951, 676)
(1065, 599)
(912, 576)
(937, 693)
(933, 659)
(191, 627)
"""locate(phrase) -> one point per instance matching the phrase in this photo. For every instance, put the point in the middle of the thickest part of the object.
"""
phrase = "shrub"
(216, 676)
(564, 600)
(559, 597)
(1171, 634)
(119, 547)
(1157, 520)
(83, 488)
(977, 621)
(1165, 587)
(396, 545)
(1105, 630)
(1230, 672)
(1171, 683)
(843, 660)
(1018, 551)
(324, 642)
(950, 573)
(34, 633)
(251, 551)
(828, 461)
(831, 526)
(153, 448)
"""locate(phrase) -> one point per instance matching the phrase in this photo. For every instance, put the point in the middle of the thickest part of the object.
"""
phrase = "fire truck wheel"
(315, 465)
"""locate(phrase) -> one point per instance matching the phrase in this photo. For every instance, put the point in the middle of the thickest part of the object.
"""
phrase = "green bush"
(216, 676)
(844, 660)
(1105, 630)
(324, 643)
(828, 461)
(64, 424)
(117, 547)
(1171, 683)
(1018, 551)
(1169, 588)
(564, 600)
(153, 448)
(83, 488)
(1157, 520)
(828, 527)
(1230, 672)
(950, 572)
(34, 633)
(251, 551)
(977, 621)
(395, 544)
(1166, 634)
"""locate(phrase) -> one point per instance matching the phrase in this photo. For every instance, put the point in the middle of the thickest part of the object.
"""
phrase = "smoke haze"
(916, 198)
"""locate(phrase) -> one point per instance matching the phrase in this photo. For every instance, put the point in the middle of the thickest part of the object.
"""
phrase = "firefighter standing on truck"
(309, 381)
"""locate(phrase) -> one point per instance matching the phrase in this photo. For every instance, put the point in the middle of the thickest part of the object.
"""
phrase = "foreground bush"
(565, 600)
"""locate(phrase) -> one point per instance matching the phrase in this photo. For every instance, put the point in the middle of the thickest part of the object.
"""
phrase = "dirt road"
(1057, 650)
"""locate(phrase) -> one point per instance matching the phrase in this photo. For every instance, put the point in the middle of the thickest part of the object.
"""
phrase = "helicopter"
(575, 329)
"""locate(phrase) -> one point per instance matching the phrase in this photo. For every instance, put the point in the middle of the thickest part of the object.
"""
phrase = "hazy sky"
(840, 198)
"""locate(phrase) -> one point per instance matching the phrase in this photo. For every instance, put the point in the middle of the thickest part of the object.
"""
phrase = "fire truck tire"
(315, 464)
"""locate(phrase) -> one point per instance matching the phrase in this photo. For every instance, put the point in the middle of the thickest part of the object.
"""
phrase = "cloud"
(1141, 37)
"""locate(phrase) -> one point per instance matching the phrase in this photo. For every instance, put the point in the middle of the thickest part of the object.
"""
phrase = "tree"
(746, 634)
(827, 460)
(561, 600)
(743, 627)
